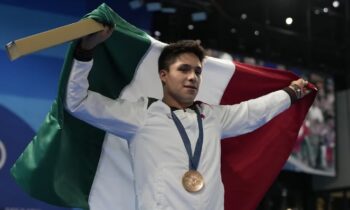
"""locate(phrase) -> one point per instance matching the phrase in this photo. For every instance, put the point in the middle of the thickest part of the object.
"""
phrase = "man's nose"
(192, 75)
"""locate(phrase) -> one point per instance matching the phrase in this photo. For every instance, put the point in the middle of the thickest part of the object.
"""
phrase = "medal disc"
(192, 181)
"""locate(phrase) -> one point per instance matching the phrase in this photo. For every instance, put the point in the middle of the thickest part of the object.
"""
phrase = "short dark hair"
(173, 50)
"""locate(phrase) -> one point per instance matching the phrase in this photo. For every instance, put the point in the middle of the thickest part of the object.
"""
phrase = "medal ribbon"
(193, 160)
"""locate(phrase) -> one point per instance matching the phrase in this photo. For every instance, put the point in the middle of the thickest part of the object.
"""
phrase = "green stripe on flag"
(59, 164)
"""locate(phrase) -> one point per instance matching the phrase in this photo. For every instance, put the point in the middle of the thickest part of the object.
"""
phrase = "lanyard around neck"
(193, 160)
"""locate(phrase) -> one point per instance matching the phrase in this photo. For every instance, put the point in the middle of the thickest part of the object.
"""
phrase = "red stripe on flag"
(251, 162)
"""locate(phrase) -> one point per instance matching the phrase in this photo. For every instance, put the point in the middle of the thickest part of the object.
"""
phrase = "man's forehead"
(187, 54)
(188, 59)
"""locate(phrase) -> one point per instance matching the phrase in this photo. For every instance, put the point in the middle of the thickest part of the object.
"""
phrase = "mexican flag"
(70, 163)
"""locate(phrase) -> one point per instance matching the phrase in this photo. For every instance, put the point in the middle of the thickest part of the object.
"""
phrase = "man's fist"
(90, 41)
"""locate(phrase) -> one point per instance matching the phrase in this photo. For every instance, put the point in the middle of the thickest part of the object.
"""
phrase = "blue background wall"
(29, 85)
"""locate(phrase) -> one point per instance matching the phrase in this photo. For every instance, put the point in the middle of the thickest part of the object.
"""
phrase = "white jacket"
(158, 155)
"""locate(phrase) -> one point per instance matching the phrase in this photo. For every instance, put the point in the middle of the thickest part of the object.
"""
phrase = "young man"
(174, 142)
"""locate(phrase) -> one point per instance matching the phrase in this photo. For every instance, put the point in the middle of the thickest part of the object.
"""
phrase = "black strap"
(151, 101)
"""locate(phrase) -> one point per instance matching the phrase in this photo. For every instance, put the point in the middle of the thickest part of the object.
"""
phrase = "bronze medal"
(193, 181)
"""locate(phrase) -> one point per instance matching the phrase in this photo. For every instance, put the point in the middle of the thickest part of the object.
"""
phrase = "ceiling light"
(289, 20)
(325, 10)
(335, 4)
(135, 4)
(199, 16)
(153, 6)
(157, 33)
(168, 10)
(233, 30)
(190, 27)
(244, 16)
(256, 33)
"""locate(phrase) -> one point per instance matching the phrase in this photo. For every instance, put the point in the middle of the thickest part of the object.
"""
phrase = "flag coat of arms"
(72, 164)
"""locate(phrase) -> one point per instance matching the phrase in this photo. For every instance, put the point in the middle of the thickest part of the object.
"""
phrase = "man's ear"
(162, 74)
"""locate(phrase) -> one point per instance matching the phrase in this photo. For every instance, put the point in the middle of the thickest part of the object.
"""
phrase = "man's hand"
(89, 42)
(300, 87)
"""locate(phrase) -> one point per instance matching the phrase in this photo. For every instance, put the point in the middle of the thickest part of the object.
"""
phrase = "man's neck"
(176, 104)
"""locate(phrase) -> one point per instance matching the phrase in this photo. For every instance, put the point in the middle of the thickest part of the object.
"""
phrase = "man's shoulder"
(203, 105)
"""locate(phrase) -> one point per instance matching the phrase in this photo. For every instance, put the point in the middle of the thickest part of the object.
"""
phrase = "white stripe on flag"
(216, 75)
(146, 81)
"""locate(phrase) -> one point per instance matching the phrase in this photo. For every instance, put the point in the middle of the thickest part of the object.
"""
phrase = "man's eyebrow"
(185, 64)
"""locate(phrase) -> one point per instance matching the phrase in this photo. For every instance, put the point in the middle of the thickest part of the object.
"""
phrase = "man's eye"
(185, 68)
(198, 71)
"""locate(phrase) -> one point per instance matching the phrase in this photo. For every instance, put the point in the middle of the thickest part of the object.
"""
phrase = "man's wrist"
(291, 93)
(82, 54)
(297, 90)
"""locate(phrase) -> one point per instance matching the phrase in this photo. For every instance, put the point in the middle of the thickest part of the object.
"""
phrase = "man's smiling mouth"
(191, 87)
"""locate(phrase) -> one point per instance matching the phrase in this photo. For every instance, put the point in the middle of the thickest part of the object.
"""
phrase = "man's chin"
(192, 92)
(189, 100)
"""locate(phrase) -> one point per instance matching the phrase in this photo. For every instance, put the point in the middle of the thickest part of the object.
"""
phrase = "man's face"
(182, 80)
